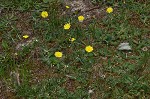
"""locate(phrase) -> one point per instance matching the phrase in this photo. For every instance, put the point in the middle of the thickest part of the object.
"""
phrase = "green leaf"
(45, 1)
(5, 45)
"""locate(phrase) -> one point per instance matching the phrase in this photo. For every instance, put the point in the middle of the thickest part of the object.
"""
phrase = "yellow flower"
(67, 26)
(67, 7)
(81, 18)
(109, 10)
(44, 14)
(58, 54)
(89, 48)
(25, 36)
(72, 39)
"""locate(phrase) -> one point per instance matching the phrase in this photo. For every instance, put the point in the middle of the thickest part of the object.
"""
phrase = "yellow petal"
(44, 14)
(67, 7)
(67, 26)
(58, 54)
(81, 18)
(25, 36)
(89, 48)
(72, 39)
(109, 10)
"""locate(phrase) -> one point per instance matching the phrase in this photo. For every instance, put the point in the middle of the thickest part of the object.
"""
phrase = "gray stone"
(124, 46)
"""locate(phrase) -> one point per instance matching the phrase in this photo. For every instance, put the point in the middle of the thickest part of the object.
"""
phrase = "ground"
(30, 69)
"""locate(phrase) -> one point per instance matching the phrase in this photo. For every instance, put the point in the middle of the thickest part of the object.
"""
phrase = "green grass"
(110, 73)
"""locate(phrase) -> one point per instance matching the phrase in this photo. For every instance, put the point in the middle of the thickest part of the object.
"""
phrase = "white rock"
(124, 46)
(90, 91)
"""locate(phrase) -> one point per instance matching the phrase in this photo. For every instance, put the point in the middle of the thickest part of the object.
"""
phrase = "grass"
(29, 69)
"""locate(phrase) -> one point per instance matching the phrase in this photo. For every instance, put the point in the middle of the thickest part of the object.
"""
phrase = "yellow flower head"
(89, 48)
(58, 54)
(67, 26)
(81, 18)
(109, 10)
(67, 7)
(72, 39)
(44, 14)
(26, 36)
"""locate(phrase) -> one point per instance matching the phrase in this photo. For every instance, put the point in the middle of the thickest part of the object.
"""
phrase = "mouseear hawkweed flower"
(72, 39)
(67, 26)
(25, 36)
(58, 54)
(67, 7)
(80, 18)
(88, 48)
(109, 10)
(44, 14)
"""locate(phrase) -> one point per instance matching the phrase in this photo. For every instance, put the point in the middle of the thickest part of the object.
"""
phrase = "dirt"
(85, 8)
(135, 20)
(40, 72)
(97, 69)
(5, 91)
(23, 22)
(71, 85)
